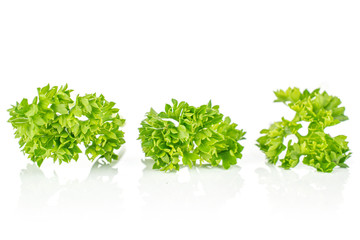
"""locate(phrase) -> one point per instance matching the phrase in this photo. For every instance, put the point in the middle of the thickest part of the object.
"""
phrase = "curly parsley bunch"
(186, 133)
(53, 126)
(318, 148)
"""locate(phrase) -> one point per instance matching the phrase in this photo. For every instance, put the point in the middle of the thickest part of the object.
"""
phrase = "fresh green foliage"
(53, 126)
(186, 133)
(319, 149)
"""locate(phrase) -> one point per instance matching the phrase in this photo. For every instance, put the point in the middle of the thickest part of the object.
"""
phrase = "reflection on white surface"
(313, 191)
(197, 188)
(98, 191)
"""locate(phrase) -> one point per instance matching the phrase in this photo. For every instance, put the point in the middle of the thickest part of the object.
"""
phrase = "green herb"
(53, 126)
(318, 148)
(186, 133)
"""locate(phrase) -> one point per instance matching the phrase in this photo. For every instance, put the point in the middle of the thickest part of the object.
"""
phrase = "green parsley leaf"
(50, 127)
(186, 133)
(317, 148)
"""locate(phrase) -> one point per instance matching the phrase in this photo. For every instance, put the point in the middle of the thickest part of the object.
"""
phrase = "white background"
(141, 54)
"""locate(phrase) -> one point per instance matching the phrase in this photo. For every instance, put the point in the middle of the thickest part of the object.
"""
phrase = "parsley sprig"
(186, 133)
(53, 125)
(318, 148)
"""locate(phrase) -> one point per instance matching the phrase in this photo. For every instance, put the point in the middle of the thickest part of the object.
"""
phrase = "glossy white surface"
(141, 54)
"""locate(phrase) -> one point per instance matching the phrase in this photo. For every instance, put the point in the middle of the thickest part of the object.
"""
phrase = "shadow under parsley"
(201, 187)
(312, 191)
(98, 191)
